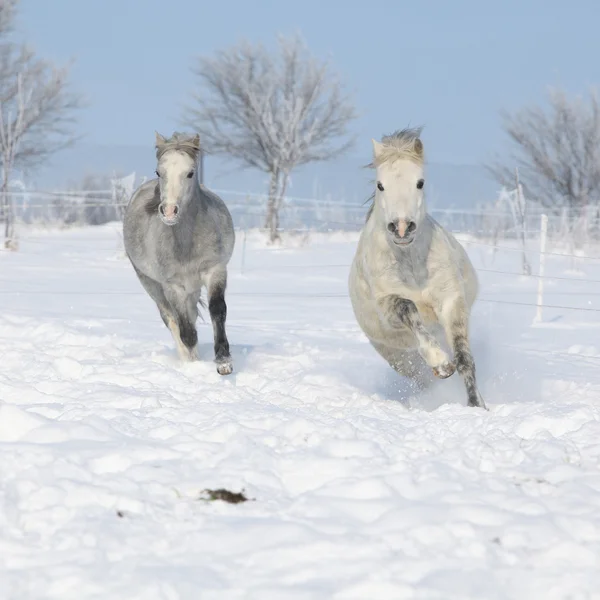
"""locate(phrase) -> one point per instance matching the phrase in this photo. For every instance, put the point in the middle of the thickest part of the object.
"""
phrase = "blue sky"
(450, 65)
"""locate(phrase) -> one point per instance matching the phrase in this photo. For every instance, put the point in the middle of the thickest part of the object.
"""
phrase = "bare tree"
(272, 112)
(37, 110)
(557, 152)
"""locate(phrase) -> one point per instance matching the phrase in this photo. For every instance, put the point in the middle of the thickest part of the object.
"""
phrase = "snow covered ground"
(357, 490)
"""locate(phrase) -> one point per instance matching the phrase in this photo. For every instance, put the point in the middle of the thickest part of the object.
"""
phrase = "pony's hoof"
(444, 370)
(225, 368)
(478, 402)
(188, 355)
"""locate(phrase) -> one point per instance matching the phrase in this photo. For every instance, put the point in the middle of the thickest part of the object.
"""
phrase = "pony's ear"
(419, 147)
(196, 141)
(377, 148)
(160, 140)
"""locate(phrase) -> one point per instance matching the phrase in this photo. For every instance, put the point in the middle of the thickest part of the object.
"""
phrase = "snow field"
(358, 489)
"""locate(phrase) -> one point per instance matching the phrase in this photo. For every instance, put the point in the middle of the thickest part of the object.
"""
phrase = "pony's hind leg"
(404, 313)
(217, 307)
(454, 317)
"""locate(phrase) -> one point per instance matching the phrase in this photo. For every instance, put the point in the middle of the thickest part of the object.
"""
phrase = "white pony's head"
(399, 197)
(177, 158)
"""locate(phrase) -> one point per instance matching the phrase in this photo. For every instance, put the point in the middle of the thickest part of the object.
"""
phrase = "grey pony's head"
(176, 169)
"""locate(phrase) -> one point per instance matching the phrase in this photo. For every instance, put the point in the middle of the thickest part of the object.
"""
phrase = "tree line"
(275, 111)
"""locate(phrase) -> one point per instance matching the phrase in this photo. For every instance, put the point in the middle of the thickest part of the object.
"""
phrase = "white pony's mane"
(404, 144)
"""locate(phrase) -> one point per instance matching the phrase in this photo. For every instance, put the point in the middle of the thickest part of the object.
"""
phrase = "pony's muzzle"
(402, 230)
(168, 213)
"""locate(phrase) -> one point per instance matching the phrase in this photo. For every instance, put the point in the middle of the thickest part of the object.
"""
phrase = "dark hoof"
(225, 367)
(444, 370)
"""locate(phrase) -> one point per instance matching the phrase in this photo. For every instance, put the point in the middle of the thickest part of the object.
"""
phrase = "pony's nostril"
(391, 227)
(175, 209)
(161, 209)
(411, 227)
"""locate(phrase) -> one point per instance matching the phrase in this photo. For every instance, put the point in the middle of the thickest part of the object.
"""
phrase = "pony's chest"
(186, 271)
(416, 293)
(412, 285)
(412, 280)
(183, 267)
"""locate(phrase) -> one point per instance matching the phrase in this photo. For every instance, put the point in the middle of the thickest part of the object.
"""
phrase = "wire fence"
(496, 226)
(300, 329)
(494, 221)
(330, 295)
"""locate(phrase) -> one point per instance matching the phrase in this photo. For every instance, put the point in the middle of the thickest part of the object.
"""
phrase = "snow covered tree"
(36, 110)
(272, 112)
(557, 152)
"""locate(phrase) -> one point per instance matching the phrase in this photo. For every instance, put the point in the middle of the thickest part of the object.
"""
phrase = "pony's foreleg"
(156, 292)
(186, 353)
(454, 317)
(404, 313)
(181, 323)
(217, 307)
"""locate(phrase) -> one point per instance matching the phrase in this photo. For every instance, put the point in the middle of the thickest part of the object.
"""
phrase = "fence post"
(522, 208)
(540, 290)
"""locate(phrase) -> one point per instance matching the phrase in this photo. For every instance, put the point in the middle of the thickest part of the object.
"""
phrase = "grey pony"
(179, 238)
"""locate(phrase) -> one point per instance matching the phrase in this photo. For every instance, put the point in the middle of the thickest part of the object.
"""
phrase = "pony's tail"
(202, 305)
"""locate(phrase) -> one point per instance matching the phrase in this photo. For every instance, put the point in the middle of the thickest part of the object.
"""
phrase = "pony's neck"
(194, 204)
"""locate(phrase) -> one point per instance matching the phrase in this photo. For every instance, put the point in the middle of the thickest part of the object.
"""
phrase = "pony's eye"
(379, 186)
(420, 184)
(190, 174)
(157, 173)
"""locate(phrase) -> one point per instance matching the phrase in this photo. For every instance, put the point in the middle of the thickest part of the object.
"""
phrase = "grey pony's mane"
(178, 141)
(398, 145)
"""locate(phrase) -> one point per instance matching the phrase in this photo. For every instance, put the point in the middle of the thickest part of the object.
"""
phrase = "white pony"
(410, 278)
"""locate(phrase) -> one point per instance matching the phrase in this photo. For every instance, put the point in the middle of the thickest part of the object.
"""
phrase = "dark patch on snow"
(225, 496)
